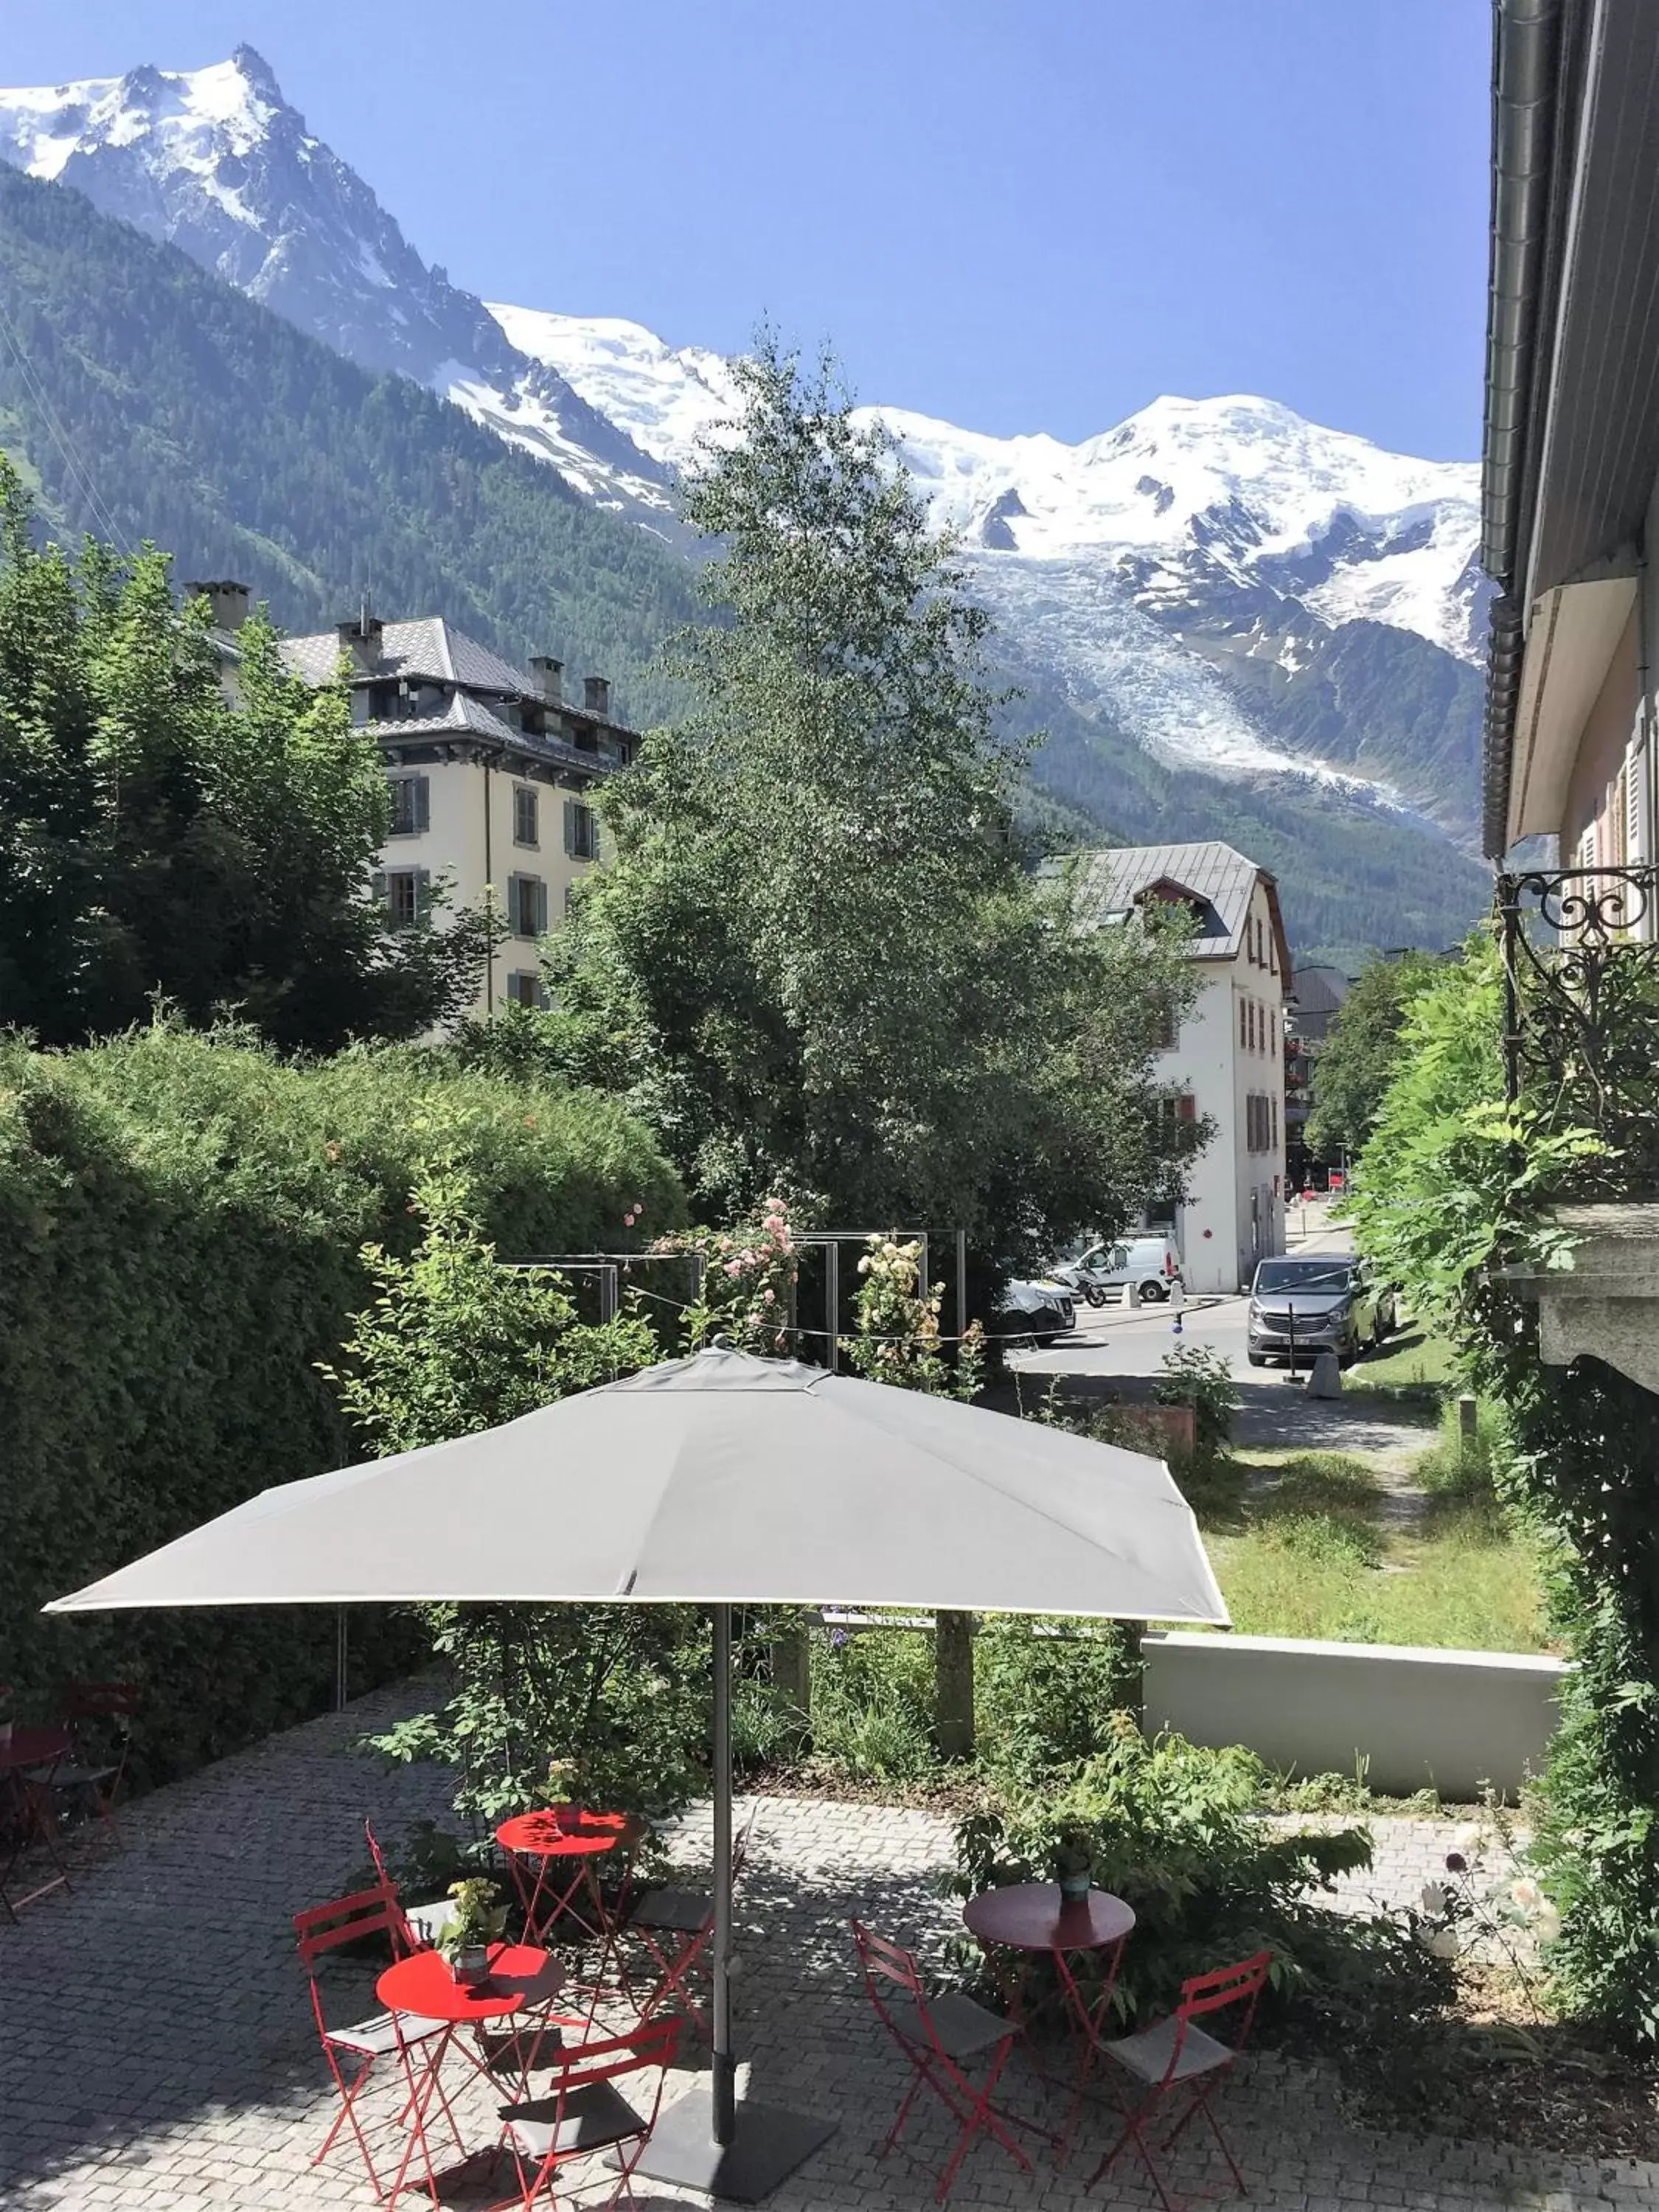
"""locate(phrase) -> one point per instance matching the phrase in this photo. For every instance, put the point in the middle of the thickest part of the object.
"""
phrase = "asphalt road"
(1133, 1341)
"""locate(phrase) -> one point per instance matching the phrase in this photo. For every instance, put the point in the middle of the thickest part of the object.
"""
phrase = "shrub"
(182, 1217)
(1174, 1829)
(1196, 1376)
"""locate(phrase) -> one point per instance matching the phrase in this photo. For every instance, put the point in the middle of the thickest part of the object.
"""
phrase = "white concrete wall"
(455, 841)
(1419, 1719)
(1234, 1212)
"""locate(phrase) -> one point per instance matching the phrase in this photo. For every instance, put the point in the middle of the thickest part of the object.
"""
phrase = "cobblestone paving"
(156, 2048)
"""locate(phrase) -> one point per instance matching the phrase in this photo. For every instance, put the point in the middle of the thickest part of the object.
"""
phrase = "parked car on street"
(1326, 1302)
(1039, 1311)
(1136, 1269)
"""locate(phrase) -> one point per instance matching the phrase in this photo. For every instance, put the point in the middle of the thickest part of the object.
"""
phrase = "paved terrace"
(156, 2047)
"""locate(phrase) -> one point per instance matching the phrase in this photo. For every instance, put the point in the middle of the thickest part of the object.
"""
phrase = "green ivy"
(1453, 1201)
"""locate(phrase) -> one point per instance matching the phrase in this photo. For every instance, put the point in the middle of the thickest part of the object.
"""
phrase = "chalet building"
(492, 768)
(1226, 1057)
(1570, 494)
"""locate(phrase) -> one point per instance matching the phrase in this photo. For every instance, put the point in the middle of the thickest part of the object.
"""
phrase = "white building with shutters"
(492, 771)
(1226, 1057)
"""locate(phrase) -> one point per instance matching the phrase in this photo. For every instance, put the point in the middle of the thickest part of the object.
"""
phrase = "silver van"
(1135, 1271)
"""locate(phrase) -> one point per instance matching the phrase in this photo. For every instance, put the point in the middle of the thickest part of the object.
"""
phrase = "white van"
(1138, 1271)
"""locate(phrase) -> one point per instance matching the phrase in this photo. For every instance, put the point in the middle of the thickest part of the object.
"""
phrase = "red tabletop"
(1032, 1916)
(519, 1975)
(33, 1746)
(563, 1832)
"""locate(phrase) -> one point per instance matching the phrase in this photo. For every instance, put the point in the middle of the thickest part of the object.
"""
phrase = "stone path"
(157, 2049)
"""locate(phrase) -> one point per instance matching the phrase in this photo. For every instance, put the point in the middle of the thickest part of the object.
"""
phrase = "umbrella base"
(768, 2145)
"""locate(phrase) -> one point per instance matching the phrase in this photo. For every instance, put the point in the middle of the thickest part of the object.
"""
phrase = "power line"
(80, 476)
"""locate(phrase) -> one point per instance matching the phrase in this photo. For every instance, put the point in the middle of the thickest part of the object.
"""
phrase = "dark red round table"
(1032, 1918)
(33, 1746)
(424, 1985)
(571, 1839)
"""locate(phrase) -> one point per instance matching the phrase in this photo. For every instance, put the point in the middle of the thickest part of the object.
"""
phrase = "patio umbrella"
(718, 1479)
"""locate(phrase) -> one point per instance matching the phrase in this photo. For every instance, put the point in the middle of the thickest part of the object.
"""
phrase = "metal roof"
(430, 649)
(1218, 880)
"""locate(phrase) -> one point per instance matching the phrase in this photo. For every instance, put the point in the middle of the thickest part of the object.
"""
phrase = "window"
(525, 987)
(412, 805)
(398, 890)
(1261, 942)
(1181, 1107)
(1272, 1101)
(1249, 1025)
(527, 906)
(582, 830)
(1166, 1030)
(1243, 1021)
(525, 811)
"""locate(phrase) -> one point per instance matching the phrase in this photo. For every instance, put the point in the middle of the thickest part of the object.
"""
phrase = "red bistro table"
(566, 1845)
(30, 1817)
(520, 1975)
(1032, 1918)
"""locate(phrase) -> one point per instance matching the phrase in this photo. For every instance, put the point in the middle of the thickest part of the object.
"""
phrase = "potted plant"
(561, 1788)
(479, 1921)
(1073, 1860)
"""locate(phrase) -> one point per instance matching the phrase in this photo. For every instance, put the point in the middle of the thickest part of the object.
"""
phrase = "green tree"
(817, 964)
(1358, 1058)
(615, 1695)
(157, 839)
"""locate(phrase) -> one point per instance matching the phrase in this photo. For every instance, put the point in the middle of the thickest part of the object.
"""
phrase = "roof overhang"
(1572, 639)
(1572, 347)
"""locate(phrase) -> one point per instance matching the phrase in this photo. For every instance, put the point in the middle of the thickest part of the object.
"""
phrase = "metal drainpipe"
(489, 887)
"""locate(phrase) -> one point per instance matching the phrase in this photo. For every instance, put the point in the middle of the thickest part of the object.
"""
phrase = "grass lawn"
(1310, 1545)
(1414, 1365)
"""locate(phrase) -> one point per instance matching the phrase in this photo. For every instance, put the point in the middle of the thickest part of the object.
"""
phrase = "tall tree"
(1364, 1051)
(818, 963)
(157, 838)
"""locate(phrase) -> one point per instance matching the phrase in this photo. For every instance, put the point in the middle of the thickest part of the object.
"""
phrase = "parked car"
(1040, 1310)
(1328, 1302)
(1141, 1267)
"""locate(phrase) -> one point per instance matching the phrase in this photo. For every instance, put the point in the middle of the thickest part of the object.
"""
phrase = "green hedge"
(180, 1222)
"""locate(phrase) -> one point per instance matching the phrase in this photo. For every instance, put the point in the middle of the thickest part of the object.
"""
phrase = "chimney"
(227, 603)
(549, 675)
(362, 640)
(596, 695)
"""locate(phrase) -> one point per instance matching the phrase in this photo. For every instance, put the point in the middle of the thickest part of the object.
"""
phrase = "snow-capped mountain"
(216, 161)
(1191, 571)
(1236, 589)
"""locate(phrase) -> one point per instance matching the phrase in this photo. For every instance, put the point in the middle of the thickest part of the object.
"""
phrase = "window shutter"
(514, 907)
(541, 910)
(422, 795)
(570, 827)
(1634, 770)
(377, 887)
(423, 886)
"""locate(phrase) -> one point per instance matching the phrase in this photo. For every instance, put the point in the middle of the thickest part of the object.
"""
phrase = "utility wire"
(80, 476)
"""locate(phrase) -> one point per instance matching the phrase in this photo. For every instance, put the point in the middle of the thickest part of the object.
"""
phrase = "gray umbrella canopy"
(719, 1479)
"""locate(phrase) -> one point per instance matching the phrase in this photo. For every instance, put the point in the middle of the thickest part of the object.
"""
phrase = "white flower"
(1547, 1925)
(1470, 1839)
(1443, 1941)
(1435, 1898)
(1526, 1894)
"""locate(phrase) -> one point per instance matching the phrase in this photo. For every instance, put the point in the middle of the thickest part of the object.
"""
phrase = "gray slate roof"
(1218, 878)
(431, 648)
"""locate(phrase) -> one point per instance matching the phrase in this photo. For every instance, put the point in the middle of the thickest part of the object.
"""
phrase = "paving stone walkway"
(156, 2047)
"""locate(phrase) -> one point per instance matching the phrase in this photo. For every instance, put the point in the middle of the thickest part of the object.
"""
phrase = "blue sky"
(1019, 215)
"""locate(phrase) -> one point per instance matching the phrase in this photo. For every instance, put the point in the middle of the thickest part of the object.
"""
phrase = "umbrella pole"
(724, 2061)
(740, 2153)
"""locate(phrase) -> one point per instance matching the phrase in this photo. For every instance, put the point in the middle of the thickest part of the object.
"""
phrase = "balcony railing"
(1581, 1014)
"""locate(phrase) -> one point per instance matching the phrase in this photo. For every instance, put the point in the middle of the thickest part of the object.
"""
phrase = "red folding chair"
(938, 2035)
(584, 2113)
(29, 1822)
(675, 1926)
(99, 1716)
(325, 1928)
(1175, 2055)
(420, 1924)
